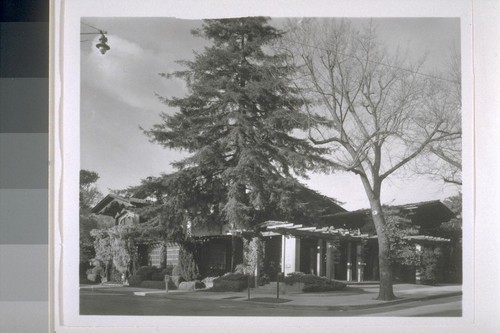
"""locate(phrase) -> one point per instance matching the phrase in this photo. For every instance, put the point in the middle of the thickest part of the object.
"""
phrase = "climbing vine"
(116, 245)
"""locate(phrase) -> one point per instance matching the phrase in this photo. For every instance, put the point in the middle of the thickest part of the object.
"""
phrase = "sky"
(119, 95)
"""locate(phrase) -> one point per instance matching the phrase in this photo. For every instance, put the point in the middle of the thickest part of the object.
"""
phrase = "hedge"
(134, 281)
(314, 283)
(231, 282)
(146, 272)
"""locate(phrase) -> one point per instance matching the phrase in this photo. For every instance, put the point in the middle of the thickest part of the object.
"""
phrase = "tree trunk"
(386, 292)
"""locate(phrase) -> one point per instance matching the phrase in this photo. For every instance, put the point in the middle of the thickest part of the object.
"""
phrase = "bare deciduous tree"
(371, 105)
(444, 158)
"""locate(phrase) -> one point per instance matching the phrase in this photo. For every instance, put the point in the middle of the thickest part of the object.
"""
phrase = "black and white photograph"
(260, 166)
(234, 168)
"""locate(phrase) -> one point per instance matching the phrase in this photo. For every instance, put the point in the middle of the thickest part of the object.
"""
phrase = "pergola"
(330, 237)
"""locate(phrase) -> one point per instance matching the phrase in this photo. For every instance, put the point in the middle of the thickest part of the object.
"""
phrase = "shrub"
(231, 282)
(314, 283)
(115, 275)
(146, 272)
(264, 279)
(135, 281)
(187, 266)
(160, 275)
(168, 270)
(215, 271)
(431, 273)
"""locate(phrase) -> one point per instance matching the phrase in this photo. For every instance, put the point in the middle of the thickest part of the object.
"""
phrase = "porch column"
(290, 254)
(319, 258)
(360, 265)
(330, 260)
(418, 271)
(349, 261)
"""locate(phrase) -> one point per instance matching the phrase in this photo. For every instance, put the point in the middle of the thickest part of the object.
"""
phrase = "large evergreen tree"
(237, 121)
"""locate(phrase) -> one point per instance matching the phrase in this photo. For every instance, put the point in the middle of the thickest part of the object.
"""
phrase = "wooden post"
(167, 280)
(290, 250)
(349, 261)
(360, 265)
(330, 260)
(418, 271)
(283, 253)
(258, 244)
(248, 286)
(319, 258)
(278, 285)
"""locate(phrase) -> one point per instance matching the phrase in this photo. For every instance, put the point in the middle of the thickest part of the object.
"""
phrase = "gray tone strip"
(29, 317)
(24, 160)
(24, 49)
(24, 273)
(25, 105)
(23, 216)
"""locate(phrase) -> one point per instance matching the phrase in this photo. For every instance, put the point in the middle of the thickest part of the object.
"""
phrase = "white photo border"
(65, 157)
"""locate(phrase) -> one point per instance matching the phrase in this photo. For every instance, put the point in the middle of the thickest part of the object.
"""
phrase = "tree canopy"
(89, 193)
(239, 122)
(373, 107)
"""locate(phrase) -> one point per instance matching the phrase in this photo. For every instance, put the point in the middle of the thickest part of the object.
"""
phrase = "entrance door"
(308, 257)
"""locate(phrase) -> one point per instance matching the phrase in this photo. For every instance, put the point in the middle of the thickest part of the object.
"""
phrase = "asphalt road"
(102, 302)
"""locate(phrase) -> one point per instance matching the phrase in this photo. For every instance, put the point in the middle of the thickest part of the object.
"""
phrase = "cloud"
(129, 73)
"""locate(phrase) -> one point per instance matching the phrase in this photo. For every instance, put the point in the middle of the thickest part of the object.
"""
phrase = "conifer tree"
(239, 122)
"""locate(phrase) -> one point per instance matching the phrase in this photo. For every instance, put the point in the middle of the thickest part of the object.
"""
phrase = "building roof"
(426, 214)
(273, 228)
(114, 203)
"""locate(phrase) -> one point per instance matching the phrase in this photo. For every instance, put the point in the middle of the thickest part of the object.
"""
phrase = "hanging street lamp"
(102, 45)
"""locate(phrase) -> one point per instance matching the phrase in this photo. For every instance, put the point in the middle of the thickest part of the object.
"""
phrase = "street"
(102, 302)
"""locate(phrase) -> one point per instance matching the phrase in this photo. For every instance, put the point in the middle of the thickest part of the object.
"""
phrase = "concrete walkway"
(353, 297)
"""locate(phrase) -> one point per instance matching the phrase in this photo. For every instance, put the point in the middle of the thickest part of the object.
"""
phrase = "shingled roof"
(104, 206)
(426, 214)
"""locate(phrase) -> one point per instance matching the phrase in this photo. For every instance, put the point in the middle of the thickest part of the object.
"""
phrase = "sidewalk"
(353, 297)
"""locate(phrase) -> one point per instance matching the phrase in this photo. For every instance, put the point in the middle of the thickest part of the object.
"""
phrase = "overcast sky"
(118, 94)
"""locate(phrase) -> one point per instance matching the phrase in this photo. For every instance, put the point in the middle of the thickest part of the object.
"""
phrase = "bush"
(146, 272)
(187, 266)
(160, 275)
(431, 273)
(264, 279)
(314, 283)
(115, 275)
(215, 271)
(135, 281)
(231, 282)
(168, 270)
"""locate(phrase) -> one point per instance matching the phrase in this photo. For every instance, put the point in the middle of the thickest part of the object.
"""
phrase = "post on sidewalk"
(248, 285)
(278, 277)
(167, 280)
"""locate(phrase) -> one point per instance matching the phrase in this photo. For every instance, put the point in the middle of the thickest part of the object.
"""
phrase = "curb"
(328, 307)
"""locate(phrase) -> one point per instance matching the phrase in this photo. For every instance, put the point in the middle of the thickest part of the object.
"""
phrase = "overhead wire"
(372, 61)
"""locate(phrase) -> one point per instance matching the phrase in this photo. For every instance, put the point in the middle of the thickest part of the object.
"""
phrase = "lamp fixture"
(102, 45)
